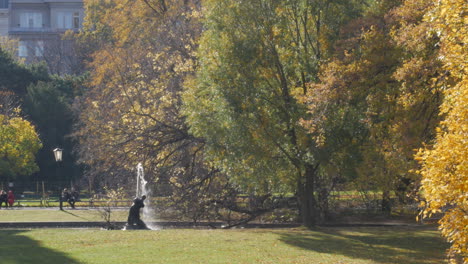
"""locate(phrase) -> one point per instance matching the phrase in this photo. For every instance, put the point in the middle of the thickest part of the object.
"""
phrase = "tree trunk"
(307, 202)
(386, 203)
(322, 200)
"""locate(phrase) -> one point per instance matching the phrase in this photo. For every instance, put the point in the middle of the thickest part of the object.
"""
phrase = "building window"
(64, 20)
(31, 20)
(4, 4)
(22, 49)
(76, 20)
(39, 48)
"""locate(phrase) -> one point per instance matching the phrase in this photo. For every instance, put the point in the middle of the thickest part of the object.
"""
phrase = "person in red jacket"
(11, 198)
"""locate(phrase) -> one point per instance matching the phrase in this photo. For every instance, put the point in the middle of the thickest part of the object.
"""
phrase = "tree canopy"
(19, 144)
(255, 58)
(45, 101)
(267, 97)
(445, 164)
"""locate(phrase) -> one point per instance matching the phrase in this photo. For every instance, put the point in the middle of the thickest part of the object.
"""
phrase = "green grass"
(415, 245)
(55, 215)
(29, 202)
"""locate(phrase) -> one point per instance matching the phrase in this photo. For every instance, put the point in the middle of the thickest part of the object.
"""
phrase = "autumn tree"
(62, 55)
(376, 88)
(352, 97)
(45, 101)
(19, 141)
(10, 45)
(143, 52)
(444, 165)
(403, 114)
(255, 56)
(417, 105)
(19, 144)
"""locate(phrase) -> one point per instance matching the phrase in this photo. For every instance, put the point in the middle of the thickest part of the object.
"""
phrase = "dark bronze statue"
(134, 221)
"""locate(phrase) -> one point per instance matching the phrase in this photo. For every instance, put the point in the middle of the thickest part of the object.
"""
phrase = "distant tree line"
(44, 101)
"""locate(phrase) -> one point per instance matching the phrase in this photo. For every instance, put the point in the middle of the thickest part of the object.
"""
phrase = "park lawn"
(55, 215)
(358, 245)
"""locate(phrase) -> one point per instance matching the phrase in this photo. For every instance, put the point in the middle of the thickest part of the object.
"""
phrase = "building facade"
(39, 25)
(4, 17)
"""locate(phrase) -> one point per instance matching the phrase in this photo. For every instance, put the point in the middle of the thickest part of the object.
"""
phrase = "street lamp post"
(58, 158)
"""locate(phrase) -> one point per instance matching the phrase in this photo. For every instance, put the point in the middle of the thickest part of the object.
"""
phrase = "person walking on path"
(3, 198)
(11, 198)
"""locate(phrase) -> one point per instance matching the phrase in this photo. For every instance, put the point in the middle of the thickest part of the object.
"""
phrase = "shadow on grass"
(16, 248)
(77, 216)
(383, 245)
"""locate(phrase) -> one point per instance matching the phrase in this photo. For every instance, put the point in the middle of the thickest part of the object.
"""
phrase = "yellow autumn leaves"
(19, 143)
(445, 165)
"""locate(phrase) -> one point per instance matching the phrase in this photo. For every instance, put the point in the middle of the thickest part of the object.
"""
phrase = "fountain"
(143, 192)
(141, 182)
